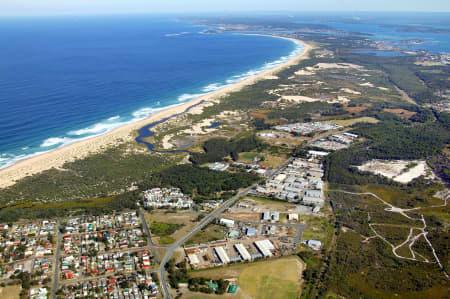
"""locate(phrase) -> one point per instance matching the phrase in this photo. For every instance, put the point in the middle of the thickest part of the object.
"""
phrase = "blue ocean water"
(63, 79)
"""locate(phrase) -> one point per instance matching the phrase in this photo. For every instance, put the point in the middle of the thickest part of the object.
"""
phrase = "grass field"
(184, 220)
(247, 156)
(317, 228)
(273, 161)
(10, 292)
(273, 280)
(210, 233)
(278, 278)
(351, 122)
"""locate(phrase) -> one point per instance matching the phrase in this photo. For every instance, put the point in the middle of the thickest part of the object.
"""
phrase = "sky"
(44, 7)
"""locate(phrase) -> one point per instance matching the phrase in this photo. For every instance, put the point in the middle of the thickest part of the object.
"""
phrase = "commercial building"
(222, 255)
(265, 247)
(243, 252)
(227, 222)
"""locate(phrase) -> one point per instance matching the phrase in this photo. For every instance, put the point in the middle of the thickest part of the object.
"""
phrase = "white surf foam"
(114, 117)
(55, 141)
(98, 128)
(212, 87)
(189, 96)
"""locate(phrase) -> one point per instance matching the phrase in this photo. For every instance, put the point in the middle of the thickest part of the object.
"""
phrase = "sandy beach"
(81, 149)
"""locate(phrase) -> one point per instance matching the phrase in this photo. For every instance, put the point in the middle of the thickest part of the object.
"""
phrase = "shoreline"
(96, 144)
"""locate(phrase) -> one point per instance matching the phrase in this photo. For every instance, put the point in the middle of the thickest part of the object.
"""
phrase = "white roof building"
(312, 200)
(243, 252)
(227, 222)
(314, 244)
(318, 153)
(222, 254)
(293, 217)
(280, 178)
(265, 246)
(193, 259)
(314, 193)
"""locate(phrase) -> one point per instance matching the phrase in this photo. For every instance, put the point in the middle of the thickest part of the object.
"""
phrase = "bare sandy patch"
(351, 91)
(228, 113)
(165, 142)
(398, 170)
(383, 88)
(298, 99)
(304, 73)
(420, 169)
(201, 127)
(324, 66)
(342, 99)
(368, 84)
(271, 77)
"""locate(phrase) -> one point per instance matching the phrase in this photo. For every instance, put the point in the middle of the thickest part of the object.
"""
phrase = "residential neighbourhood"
(166, 198)
(98, 255)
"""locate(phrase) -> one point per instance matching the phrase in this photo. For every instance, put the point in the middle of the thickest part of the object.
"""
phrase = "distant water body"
(66, 79)
(395, 28)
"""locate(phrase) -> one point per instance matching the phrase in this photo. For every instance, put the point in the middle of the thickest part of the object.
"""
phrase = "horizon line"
(216, 12)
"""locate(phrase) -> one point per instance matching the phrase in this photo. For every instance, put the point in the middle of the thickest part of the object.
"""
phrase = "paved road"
(56, 269)
(200, 226)
(149, 236)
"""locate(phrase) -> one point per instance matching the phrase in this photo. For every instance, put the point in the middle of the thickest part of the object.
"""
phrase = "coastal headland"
(79, 150)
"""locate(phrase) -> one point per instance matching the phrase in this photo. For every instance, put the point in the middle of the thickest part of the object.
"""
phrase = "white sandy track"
(78, 150)
(411, 239)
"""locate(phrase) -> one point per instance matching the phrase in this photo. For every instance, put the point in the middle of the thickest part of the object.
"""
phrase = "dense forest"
(218, 148)
(196, 181)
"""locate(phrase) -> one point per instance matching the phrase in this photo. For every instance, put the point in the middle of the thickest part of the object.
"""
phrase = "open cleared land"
(10, 292)
(266, 279)
(182, 222)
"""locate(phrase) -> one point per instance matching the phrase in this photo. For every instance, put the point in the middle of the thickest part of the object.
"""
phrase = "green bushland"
(99, 175)
(198, 182)
(162, 229)
(303, 112)
(375, 272)
(218, 148)
(200, 284)
(95, 206)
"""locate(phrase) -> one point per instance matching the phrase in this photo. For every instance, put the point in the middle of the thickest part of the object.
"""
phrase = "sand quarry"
(398, 170)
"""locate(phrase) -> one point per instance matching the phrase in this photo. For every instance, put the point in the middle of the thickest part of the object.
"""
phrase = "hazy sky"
(15, 7)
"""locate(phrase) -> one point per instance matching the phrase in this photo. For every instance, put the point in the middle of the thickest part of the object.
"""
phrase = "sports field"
(276, 278)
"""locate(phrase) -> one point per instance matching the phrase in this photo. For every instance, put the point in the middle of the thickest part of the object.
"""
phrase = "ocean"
(64, 79)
